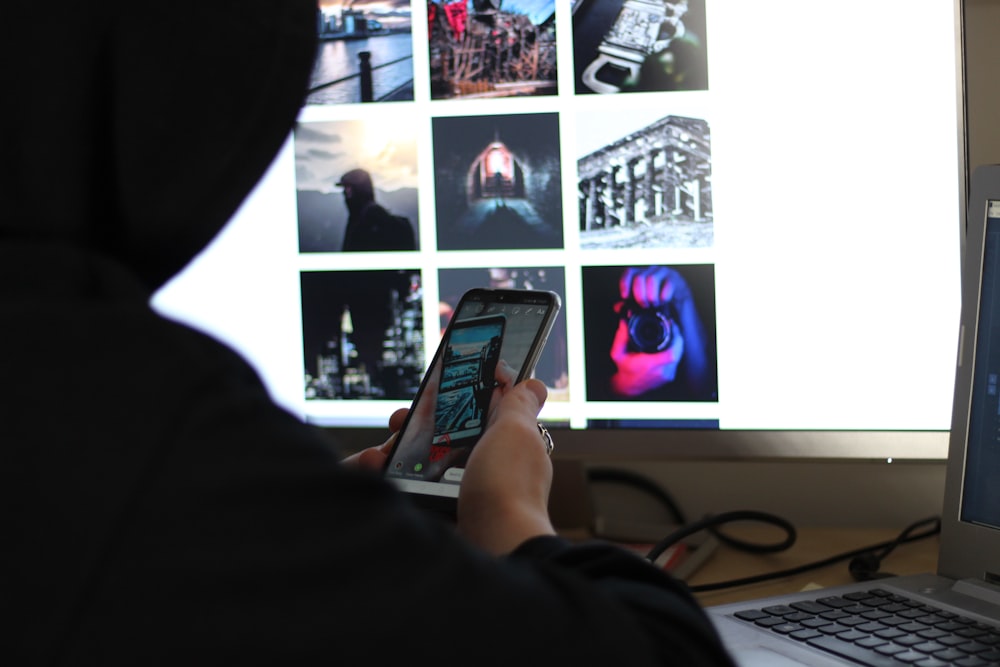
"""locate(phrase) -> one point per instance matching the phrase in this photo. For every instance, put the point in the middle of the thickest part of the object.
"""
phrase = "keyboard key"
(950, 626)
(852, 621)
(890, 649)
(894, 621)
(810, 607)
(853, 652)
(871, 627)
(929, 647)
(970, 631)
(912, 627)
(909, 640)
(778, 610)
(949, 654)
(751, 614)
(971, 661)
(972, 647)
(930, 662)
(786, 628)
(909, 656)
(951, 640)
(835, 602)
(932, 633)
(797, 617)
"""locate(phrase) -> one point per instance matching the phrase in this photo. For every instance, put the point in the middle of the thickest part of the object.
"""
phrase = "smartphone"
(494, 335)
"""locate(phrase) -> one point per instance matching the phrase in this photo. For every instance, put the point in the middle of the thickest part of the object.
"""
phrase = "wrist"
(498, 527)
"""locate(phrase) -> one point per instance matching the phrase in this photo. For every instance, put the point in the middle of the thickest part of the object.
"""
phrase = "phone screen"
(494, 333)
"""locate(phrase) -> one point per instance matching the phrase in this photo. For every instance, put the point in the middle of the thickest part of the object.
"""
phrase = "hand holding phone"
(492, 342)
(505, 490)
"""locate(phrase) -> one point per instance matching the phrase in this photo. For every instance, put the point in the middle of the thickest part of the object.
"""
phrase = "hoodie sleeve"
(661, 605)
(238, 537)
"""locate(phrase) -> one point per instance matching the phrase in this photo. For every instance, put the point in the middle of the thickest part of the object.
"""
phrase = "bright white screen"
(836, 187)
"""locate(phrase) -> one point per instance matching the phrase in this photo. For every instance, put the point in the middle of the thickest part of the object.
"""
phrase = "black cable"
(713, 521)
(866, 566)
(865, 561)
(909, 534)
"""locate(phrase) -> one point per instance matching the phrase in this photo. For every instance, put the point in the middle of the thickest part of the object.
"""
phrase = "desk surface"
(812, 544)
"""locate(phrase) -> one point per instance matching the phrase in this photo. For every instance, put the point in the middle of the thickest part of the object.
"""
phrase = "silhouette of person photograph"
(362, 334)
(356, 186)
(369, 225)
(649, 333)
(553, 364)
(497, 182)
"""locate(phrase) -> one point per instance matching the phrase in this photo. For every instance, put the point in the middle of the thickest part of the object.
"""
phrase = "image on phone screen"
(468, 377)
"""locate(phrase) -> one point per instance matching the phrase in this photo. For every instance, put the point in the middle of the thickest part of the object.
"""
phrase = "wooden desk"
(812, 544)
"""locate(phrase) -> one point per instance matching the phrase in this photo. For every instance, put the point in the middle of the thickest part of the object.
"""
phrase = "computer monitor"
(786, 178)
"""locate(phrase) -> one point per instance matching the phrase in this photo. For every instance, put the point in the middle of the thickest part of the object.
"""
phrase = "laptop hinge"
(986, 590)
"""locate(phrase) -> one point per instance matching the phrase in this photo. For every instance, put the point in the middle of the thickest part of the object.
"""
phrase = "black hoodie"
(157, 507)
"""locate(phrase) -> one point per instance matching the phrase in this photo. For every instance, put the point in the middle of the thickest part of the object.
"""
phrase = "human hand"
(639, 372)
(374, 458)
(503, 500)
(649, 288)
(414, 446)
(653, 286)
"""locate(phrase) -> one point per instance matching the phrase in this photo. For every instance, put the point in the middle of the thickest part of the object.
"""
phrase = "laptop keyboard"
(882, 629)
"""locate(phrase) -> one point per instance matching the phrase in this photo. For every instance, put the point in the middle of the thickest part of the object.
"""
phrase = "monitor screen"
(752, 214)
(980, 491)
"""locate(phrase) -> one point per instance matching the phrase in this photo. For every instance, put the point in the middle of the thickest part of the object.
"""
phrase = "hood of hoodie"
(135, 129)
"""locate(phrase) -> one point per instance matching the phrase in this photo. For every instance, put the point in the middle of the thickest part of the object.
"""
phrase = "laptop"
(951, 617)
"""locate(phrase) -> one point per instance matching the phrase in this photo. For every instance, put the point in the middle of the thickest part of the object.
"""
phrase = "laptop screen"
(981, 497)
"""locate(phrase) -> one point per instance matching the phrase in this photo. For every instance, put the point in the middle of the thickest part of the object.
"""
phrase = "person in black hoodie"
(158, 507)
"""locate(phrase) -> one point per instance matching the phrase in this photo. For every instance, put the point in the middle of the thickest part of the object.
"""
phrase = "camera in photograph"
(650, 330)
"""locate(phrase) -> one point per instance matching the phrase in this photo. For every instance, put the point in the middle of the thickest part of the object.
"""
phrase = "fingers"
(374, 458)
(524, 400)
(649, 286)
(505, 374)
(538, 390)
(625, 284)
(397, 418)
